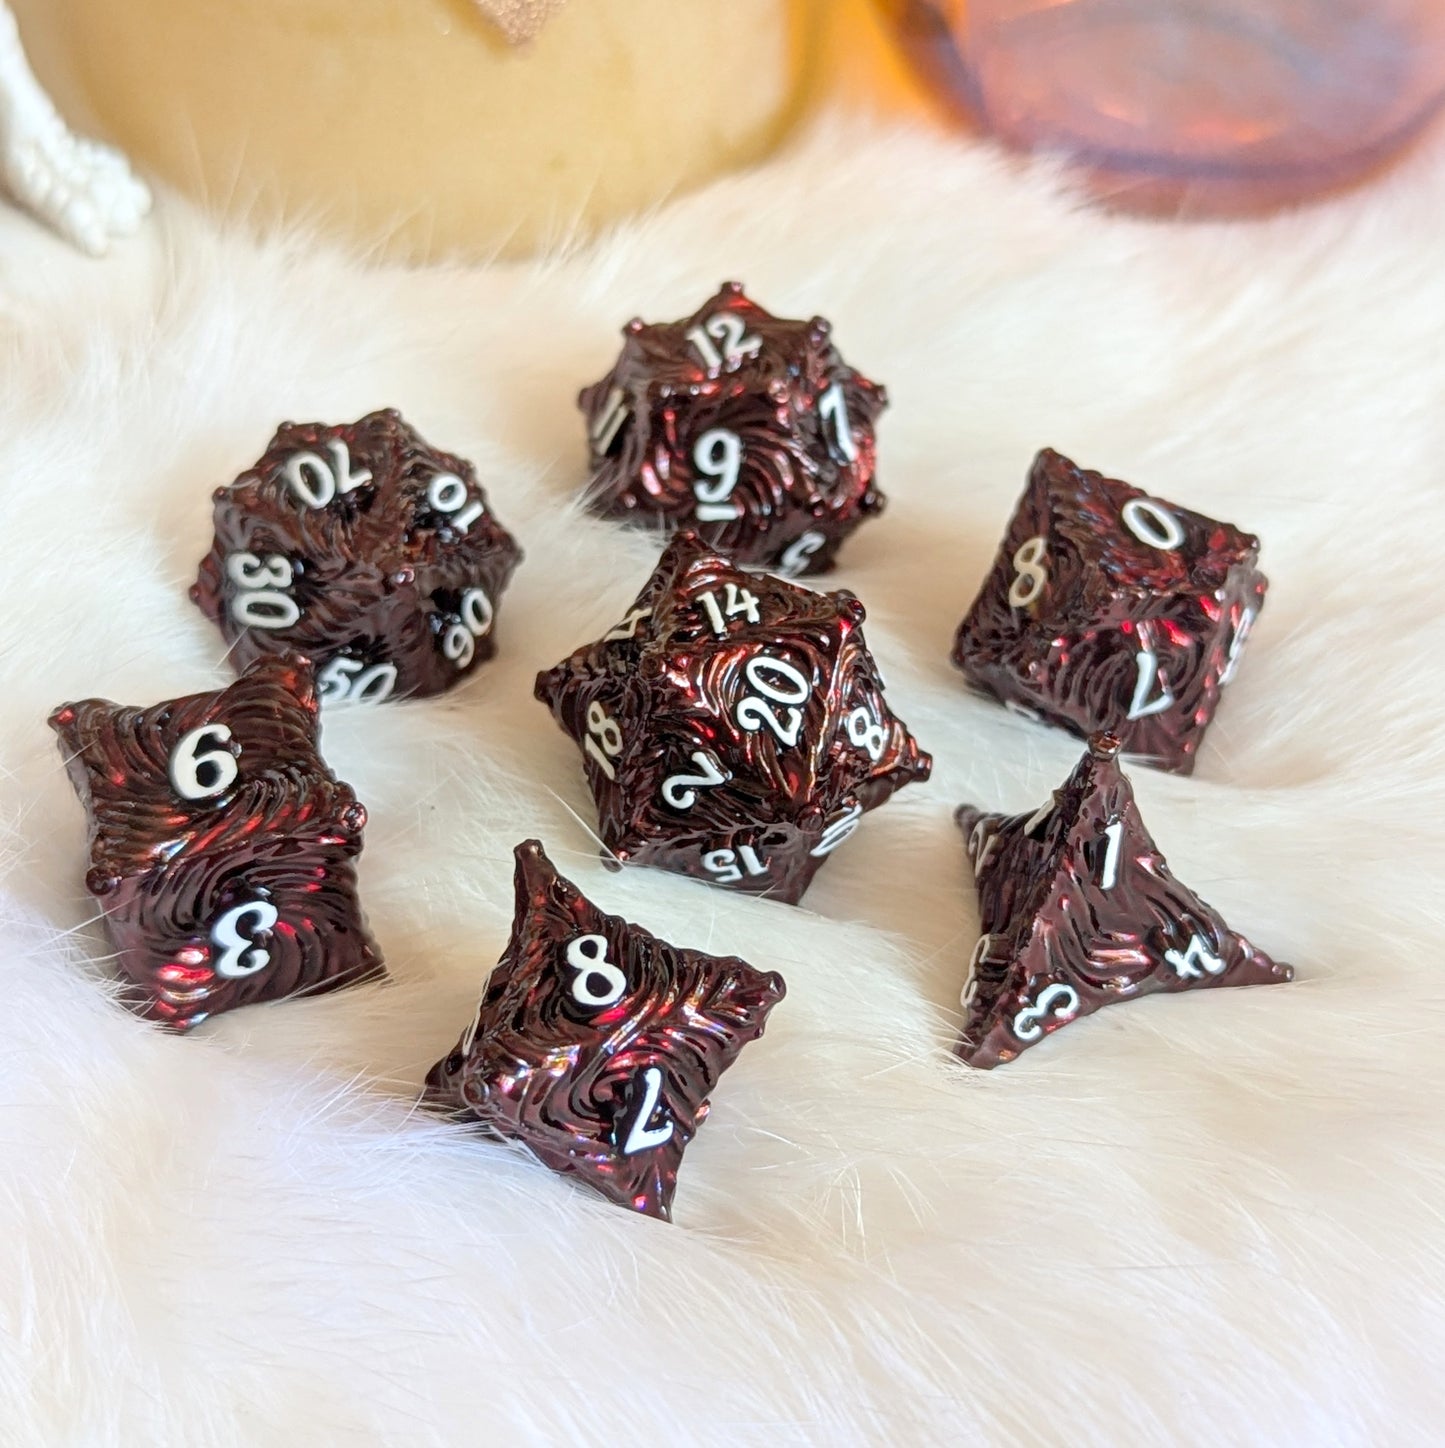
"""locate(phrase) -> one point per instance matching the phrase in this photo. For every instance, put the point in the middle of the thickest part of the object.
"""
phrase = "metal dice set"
(732, 727)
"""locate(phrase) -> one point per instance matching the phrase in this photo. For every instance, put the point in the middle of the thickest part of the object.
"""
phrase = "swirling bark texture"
(246, 894)
(803, 421)
(604, 1076)
(378, 571)
(1079, 911)
(1085, 623)
(761, 693)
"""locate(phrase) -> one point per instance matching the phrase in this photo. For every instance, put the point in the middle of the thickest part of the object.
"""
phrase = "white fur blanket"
(1212, 1218)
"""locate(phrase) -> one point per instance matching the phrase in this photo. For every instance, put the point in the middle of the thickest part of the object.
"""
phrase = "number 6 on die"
(197, 772)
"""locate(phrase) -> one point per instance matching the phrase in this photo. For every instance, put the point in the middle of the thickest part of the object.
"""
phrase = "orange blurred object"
(1189, 105)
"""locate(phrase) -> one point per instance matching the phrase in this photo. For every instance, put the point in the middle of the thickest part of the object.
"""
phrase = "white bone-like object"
(85, 190)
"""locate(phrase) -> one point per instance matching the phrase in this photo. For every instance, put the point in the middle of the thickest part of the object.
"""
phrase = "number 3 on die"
(234, 938)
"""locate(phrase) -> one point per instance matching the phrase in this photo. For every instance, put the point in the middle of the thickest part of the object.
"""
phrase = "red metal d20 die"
(733, 727)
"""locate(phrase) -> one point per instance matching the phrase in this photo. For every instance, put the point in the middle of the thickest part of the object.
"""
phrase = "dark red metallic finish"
(166, 869)
(803, 484)
(380, 572)
(570, 1079)
(674, 687)
(1079, 911)
(1071, 655)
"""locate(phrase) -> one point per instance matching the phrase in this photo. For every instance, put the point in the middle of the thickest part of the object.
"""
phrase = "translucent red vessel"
(1201, 105)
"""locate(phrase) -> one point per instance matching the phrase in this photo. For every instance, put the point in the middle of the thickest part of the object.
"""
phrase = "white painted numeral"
(604, 738)
(627, 629)
(1187, 964)
(836, 831)
(447, 493)
(1143, 705)
(587, 955)
(262, 604)
(247, 570)
(738, 601)
(753, 713)
(714, 613)
(1236, 647)
(680, 790)
(866, 733)
(970, 985)
(459, 646)
(718, 453)
(203, 773)
(609, 420)
(1032, 575)
(834, 406)
(1109, 875)
(1059, 1001)
(725, 864)
(315, 482)
(710, 355)
(459, 643)
(349, 681)
(240, 955)
(731, 331)
(982, 846)
(265, 609)
(796, 555)
(1152, 523)
(640, 1136)
(477, 612)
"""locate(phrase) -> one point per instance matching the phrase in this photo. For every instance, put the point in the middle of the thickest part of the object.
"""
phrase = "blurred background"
(427, 128)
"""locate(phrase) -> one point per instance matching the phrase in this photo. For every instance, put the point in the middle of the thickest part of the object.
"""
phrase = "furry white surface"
(1210, 1218)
